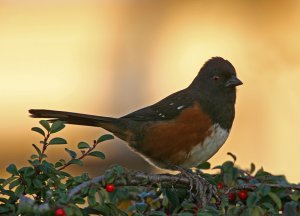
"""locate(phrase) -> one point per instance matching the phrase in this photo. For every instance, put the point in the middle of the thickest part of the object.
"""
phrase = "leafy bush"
(45, 188)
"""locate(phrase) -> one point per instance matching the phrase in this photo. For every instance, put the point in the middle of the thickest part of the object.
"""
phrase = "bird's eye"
(215, 78)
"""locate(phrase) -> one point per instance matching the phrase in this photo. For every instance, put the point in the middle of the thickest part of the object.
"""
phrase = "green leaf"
(104, 138)
(204, 214)
(19, 190)
(47, 168)
(252, 168)
(79, 200)
(172, 197)
(165, 201)
(257, 211)
(14, 184)
(295, 196)
(71, 153)
(230, 173)
(141, 207)
(92, 191)
(29, 171)
(45, 124)
(252, 200)
(217, 167)
(62, 161)
(83, 145)
(38, 130)
(268, 206)
(91, 197)
(276, 199)
(76, 161)
(12, 169)
(34, 156)
(5, 210)
(57, 126)
(57, 140)
(212, 210)
(64, 174)
(290, 209)
(157, 213)
(185, 214)
(97, 154)
(118, 169)
(233, 156)
(92, 201)
(104, 209)
(205, 165)
(37, 149)
(109, 177)
(35, 162)
(264, 190)
(37, 183)
(261, 174)
(58, 164)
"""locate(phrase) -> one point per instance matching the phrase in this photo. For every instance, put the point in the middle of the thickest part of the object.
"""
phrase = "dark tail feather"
(73, 118)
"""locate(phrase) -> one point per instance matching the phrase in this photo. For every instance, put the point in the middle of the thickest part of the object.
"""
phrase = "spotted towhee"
(184, 129)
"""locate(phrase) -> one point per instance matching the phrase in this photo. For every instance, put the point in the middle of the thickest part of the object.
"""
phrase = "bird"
(184, 129)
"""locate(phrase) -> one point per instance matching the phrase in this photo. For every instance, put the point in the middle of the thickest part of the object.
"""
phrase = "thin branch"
(45, 145)
(81, 157)
(167, 180)
(137, 179)
(254, 186)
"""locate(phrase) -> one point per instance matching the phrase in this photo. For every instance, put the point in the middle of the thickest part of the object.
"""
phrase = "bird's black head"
(215, 88)
(217, 76)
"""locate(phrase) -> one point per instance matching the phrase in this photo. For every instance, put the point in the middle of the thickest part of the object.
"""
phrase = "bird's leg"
(200, 189)
(211, 189)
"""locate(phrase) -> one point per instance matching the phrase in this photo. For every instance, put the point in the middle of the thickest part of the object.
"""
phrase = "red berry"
(110, 188)
(243, 195)
(220, 185)
(231, 197)
(60, 212)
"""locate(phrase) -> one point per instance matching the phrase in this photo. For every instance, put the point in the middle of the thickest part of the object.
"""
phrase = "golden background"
(112, 57)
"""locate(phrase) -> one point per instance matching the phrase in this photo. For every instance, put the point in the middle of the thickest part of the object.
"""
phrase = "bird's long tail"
(108, 123)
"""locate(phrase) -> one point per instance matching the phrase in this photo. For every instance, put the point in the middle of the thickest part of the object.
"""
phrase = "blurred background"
(113, 57)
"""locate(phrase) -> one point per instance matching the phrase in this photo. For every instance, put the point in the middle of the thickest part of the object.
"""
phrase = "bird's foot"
(200, 189)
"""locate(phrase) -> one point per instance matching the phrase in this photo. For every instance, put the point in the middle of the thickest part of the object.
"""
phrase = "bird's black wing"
(166, 109)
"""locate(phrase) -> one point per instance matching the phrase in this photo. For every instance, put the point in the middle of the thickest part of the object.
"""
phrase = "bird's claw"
(199, 189)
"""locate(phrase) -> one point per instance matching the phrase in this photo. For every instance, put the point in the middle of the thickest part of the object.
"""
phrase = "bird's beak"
(233, 81)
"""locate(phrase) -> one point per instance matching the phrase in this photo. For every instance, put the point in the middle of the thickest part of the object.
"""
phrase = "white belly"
(205, 150)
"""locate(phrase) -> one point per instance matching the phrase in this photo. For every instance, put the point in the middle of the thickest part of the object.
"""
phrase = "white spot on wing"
(162, 115)
(171, 104)
(205, 150)
(180, 107)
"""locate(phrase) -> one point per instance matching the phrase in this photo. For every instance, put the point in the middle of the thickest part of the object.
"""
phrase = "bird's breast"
(207, 148)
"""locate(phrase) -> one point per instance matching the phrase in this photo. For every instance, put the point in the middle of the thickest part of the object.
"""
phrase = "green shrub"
(45, 188)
